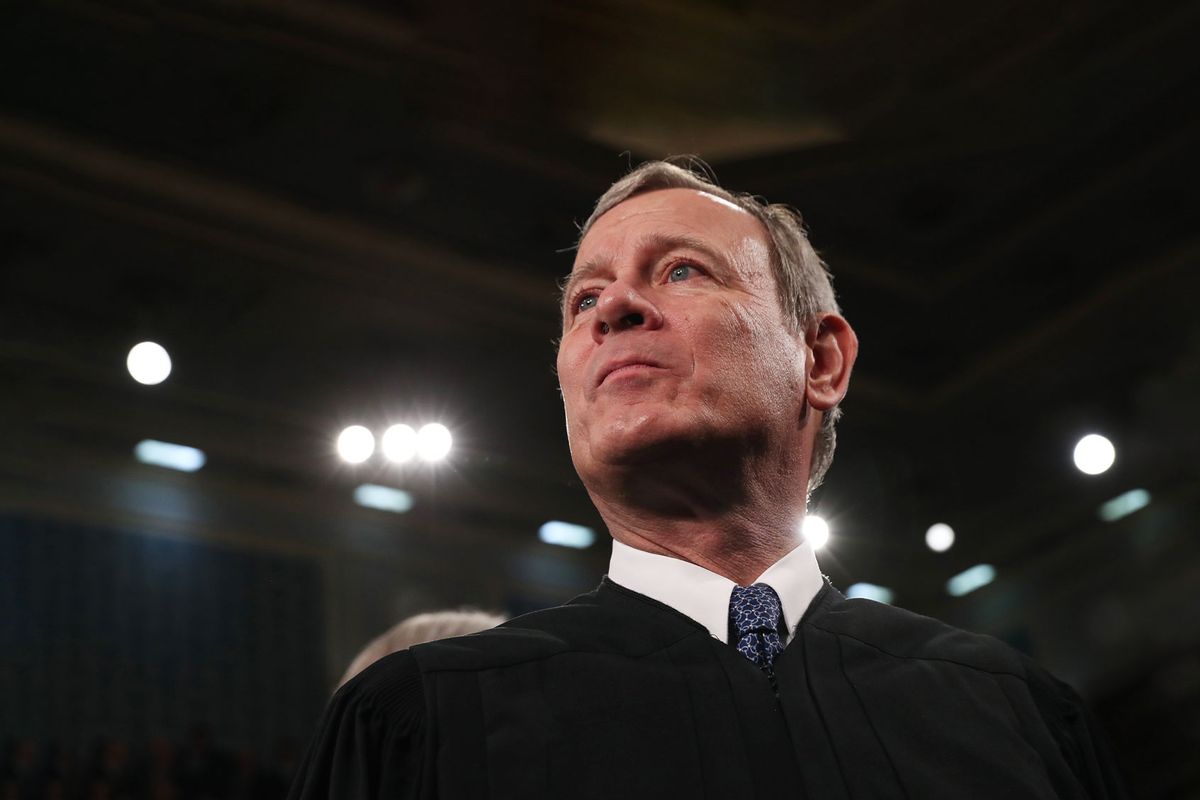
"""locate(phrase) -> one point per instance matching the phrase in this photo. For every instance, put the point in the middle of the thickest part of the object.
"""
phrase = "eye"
(680, 272)
(585, 302)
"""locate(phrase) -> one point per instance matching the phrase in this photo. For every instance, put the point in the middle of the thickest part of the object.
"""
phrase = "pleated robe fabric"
(615, 695)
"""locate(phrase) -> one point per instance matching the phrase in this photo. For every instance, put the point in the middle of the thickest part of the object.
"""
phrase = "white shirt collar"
(703, 596)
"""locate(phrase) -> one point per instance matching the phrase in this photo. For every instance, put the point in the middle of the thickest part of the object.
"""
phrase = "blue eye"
(585, 302)
(678, 273)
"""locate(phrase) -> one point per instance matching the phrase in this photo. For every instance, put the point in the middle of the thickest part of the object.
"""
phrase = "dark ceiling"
(356, 212)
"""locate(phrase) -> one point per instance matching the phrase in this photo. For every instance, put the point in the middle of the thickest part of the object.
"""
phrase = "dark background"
(356, 212)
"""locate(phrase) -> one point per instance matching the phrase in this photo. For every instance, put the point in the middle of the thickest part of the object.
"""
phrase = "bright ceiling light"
(148, 363)
(940, 537)
(433, 442)
(399, 444)
(1124, 504)
(171, 456)
(566, 534)
(383, 498)
(1094, 454)
(971, 579)
(869, 591)
(815, 530)
(355, 444)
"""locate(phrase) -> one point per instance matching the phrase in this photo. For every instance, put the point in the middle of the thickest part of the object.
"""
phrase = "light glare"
(815, 530)
(870, 591)
(383, 498)
(171, 456)
(399, 444)
(355, 444)
(1124, 504)
(1094, 454)
(433, 442)
(148, 363)
(971, 579)
(566, 534)
(940, 537)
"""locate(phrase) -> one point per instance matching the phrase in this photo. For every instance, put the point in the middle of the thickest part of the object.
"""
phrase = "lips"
(610, 367)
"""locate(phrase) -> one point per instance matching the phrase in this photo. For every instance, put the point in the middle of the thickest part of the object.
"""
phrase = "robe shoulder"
(902, 634)
(370, 742)
(610, 619)
(897, 636)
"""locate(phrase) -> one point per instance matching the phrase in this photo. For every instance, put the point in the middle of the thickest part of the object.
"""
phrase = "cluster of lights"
(149, 364)
(1093, 454)
(400, 443)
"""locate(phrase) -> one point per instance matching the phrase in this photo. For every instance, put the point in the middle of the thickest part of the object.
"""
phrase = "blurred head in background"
(421, 628)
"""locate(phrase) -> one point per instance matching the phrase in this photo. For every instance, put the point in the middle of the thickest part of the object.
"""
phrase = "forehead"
(688, 213)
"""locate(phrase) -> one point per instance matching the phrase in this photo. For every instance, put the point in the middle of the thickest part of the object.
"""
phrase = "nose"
(622, 307)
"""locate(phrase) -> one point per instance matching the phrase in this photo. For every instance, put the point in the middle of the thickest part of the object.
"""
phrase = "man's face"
(673, 335)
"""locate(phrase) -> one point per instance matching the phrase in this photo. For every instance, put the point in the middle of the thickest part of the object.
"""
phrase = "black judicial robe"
(615, 695)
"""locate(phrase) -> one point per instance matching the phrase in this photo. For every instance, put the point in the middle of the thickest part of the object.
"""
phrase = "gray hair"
(422, 628)
(803, 281)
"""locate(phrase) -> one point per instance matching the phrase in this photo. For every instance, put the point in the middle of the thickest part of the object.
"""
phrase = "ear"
(833, 347)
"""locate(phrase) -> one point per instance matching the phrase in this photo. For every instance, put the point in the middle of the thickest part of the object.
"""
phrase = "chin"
(640, 439)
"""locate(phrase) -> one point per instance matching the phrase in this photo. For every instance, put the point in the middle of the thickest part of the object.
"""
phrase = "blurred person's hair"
(803, 281)
(419, 629)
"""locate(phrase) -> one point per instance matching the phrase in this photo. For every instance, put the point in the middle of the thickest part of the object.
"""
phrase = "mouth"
(622, 367)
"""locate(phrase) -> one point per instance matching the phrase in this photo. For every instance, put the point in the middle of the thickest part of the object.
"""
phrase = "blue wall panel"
(124, 633)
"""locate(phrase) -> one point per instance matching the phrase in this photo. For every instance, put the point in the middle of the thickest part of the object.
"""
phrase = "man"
(702, 362)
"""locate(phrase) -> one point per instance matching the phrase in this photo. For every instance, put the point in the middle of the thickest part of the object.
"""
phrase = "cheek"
(570, 365)
(746, 338)
(750, 351)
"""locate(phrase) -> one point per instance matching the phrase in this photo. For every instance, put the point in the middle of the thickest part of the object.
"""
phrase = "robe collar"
(703, 596)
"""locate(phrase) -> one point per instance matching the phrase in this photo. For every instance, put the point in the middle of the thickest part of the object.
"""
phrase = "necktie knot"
(754, 616)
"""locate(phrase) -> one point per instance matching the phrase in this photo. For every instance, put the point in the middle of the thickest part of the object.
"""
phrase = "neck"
(737, 533)
(731, 506)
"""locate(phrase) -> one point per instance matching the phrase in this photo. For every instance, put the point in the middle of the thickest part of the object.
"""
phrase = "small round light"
(815, 530)
(940, 537)
(355, 444)
(1094, 454)
(433, 442)
(148, 363)
(399, 444)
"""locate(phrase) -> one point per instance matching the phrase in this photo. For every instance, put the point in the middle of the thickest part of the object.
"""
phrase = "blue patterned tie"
(754, 614)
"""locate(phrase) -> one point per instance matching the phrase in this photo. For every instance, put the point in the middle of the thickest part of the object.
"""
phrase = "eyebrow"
(654, 246)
